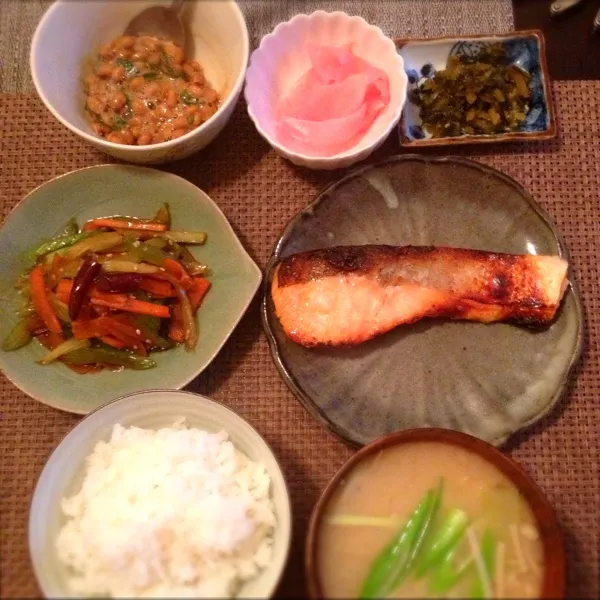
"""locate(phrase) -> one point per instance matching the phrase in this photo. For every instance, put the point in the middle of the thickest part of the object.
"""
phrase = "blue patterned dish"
(423, 57)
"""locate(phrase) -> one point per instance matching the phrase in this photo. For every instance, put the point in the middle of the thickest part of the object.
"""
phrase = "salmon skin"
(346, 295)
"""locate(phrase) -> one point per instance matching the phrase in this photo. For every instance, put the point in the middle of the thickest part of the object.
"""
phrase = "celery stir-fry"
(111, 292)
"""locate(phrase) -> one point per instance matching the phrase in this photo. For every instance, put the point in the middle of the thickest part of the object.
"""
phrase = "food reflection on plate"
(141, 90)
(427, 519)
(347, 295)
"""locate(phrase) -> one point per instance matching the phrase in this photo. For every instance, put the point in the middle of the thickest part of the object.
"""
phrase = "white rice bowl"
(173, 512)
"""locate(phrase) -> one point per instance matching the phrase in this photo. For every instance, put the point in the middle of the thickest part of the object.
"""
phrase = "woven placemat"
(259, 192)
(397, 18)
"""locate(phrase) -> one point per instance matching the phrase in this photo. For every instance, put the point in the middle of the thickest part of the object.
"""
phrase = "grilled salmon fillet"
(346, 295)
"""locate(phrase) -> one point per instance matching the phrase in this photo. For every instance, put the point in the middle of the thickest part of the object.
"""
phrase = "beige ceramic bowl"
(63, 474)
(72, 30)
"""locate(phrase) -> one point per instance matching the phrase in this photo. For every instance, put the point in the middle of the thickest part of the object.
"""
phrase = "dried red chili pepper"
(81, 284)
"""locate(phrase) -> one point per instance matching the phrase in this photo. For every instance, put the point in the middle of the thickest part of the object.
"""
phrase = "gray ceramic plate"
(136, 191)
(485, 380)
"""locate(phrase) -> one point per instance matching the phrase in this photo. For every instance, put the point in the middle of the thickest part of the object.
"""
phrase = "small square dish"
(423, 58)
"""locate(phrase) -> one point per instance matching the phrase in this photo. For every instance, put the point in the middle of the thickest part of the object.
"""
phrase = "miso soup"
(428, 519)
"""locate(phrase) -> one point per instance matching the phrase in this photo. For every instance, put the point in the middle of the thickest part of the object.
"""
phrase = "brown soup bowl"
(554, 569)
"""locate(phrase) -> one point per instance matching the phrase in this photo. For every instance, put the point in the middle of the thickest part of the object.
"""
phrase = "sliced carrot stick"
(109, 340)
(55, 268)
(104, 325)
(41, 302)
(187, 314)
(63, 290)
(157, 287)
(110, 327)
(123, 329)
(124, 224)
(89, 328)
(197, 291)
(131, 343)
(177, 270)
(100, 311)
(176, 329)
(128, 304)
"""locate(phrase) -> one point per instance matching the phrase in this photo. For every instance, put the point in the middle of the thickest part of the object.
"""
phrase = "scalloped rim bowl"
(280, 60)
(62, 475)
(554, 580)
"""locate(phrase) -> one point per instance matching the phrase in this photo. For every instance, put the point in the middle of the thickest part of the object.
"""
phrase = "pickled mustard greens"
(478, 94)
(428, 520)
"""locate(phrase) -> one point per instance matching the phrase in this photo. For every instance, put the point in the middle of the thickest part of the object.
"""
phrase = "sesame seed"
(138, 332)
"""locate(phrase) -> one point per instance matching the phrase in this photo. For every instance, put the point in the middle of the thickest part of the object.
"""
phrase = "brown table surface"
(259, 192)
(572, 48)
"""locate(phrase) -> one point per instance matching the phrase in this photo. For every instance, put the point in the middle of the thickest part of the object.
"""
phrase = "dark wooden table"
(573, 50)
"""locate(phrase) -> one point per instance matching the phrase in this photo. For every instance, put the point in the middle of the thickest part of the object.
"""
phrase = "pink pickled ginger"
(333, 104)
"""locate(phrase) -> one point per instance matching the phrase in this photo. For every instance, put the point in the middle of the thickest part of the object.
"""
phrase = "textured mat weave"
(397, 18)
(259, 192)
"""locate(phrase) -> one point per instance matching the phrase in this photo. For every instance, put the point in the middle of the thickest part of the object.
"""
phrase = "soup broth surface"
(380, 494)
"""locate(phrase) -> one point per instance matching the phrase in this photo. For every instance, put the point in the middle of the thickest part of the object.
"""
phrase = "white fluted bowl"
(63, 475)
(282, 58)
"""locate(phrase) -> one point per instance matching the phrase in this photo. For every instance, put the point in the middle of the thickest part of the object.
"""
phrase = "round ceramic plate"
(485, 380)
(135, 191)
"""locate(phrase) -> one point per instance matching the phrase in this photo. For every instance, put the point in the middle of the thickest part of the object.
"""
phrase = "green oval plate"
(122, 189)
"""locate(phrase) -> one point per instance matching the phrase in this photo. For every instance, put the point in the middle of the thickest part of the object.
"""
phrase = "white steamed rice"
(176, 512)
